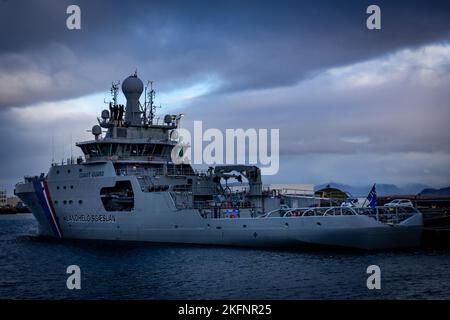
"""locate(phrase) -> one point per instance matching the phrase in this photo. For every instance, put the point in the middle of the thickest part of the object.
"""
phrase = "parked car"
(399, 203)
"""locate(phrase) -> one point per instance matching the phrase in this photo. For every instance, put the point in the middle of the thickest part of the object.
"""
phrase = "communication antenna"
(63, 151)
(149, 102)
(115, 91)
(71, 147)
(53, 148)
(144, 109)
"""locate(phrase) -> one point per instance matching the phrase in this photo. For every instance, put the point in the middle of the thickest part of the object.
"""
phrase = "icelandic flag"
(372, 197)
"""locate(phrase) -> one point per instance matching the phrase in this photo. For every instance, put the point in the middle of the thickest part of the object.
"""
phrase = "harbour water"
(33, 268)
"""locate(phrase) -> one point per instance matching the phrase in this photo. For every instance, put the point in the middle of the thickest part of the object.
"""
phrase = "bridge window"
(99, 149)
(114, 148)
(134, 150)
(105, 149)
(92, 150)
(158, 149)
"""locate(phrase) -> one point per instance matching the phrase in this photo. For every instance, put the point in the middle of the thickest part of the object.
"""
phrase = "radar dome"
(132, 87)
(105, 114)
(168, 118)
(96, 130)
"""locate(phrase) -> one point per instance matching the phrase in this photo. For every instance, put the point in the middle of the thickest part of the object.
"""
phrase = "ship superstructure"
(127, 188)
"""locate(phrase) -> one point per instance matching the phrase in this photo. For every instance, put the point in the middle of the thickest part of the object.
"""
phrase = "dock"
(436, 217)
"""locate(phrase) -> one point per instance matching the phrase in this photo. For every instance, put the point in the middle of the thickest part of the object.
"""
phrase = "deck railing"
(392, 215)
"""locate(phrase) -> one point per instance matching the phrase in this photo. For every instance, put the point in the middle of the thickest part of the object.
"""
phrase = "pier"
(436, 217)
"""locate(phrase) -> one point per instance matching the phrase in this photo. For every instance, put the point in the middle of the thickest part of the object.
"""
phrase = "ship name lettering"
(90, 218)
(92, 174)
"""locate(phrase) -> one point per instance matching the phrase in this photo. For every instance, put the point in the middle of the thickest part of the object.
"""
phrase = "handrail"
(382, 214)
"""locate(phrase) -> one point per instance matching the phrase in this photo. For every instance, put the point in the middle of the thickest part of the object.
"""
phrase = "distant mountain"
(383, 189)
(414, 188)
(435, 192)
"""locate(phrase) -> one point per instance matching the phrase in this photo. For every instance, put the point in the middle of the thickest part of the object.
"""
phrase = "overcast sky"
(353, 105)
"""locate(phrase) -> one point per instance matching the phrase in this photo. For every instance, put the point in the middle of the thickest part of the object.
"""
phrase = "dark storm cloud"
(384, 119)
(245, 44)
(395, 104)
(267, 61)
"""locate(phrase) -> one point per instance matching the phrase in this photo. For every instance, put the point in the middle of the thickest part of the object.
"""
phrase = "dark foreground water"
(31, 268)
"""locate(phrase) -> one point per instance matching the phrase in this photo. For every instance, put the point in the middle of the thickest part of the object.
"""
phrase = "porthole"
(70, 201)
(55, 202)
(244, 226)
(80, 170)
(65, 201)
(57, 171)
(319, 224)
(64, 187)
(68, 171)
(71, 187)
(57, 188)
(80, 201)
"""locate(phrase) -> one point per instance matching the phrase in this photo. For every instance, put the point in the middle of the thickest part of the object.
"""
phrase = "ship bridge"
(131, 133)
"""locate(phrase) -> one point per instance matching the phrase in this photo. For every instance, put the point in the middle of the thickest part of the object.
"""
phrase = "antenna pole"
(53, 148)
(71, 147)
(151, 96)
(145, 104)
(114, 91)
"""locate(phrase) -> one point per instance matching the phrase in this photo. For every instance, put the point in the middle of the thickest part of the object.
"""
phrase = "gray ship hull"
(76, 212)
(134, 184)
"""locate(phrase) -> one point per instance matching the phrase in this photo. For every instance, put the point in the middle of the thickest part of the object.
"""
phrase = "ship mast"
(115, 91)
(150, 96)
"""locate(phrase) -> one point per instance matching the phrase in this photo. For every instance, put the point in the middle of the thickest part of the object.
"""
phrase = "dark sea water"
(32, 268)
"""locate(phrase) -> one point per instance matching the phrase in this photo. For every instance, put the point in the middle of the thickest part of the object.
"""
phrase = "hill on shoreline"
(384, 189)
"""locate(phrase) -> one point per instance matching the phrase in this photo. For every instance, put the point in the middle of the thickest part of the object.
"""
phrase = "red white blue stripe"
(45, 200)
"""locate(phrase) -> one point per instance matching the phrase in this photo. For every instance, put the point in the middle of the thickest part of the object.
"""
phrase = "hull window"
(118, 198)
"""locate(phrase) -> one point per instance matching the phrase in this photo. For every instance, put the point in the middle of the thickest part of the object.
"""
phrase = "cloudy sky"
(353, 105)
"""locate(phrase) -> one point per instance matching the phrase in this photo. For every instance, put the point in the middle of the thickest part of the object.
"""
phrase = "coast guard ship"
(127, 188)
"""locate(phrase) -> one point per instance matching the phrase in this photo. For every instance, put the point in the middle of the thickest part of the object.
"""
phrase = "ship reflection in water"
(31, 268)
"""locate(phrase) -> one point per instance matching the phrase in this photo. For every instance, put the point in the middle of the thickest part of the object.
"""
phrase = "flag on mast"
(372, 197)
